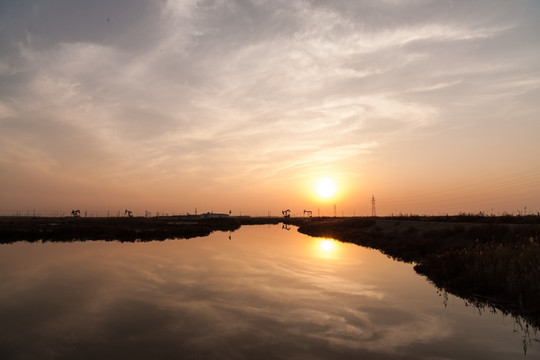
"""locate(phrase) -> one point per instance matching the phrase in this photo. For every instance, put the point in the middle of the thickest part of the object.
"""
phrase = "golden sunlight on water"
(327, 245)
(327, 248)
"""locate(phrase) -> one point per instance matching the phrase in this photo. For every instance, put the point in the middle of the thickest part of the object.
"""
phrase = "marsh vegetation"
(14, 229)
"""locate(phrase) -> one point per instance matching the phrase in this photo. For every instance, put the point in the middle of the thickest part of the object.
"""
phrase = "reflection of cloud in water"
(225, 304)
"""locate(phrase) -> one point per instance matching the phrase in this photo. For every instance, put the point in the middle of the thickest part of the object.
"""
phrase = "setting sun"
(325, 188)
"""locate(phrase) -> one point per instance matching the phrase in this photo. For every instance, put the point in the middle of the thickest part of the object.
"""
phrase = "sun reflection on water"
(326, 245)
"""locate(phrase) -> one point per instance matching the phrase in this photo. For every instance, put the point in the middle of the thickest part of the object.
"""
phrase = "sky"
(178, 106)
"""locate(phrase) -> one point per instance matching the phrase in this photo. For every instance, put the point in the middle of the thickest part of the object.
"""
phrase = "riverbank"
(31, 229)
(490, 264)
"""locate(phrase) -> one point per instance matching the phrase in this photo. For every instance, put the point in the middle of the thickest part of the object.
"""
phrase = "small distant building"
(209, 215)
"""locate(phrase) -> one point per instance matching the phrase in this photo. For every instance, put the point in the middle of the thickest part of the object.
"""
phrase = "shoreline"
(129, 229)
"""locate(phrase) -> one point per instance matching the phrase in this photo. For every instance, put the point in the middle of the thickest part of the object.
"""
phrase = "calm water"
(267, 293)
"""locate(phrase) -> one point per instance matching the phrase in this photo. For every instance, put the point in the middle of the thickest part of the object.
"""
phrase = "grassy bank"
(491, 264)
(121, 228)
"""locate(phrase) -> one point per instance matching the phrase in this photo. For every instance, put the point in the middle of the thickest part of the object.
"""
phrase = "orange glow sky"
(431, 106)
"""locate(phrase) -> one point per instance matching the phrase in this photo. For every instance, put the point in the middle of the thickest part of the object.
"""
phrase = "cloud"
(187, 89)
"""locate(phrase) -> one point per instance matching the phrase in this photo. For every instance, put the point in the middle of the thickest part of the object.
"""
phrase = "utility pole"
(334, 210)
(373, 212)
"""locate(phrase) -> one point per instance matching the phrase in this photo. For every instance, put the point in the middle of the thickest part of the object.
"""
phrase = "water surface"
(266, 293)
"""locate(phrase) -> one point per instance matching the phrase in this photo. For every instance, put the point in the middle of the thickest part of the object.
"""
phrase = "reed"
(507, 273)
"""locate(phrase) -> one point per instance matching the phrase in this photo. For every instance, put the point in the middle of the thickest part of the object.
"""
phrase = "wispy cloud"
(186, 88)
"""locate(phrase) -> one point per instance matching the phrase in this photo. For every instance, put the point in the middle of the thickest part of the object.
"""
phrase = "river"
(261, 292)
